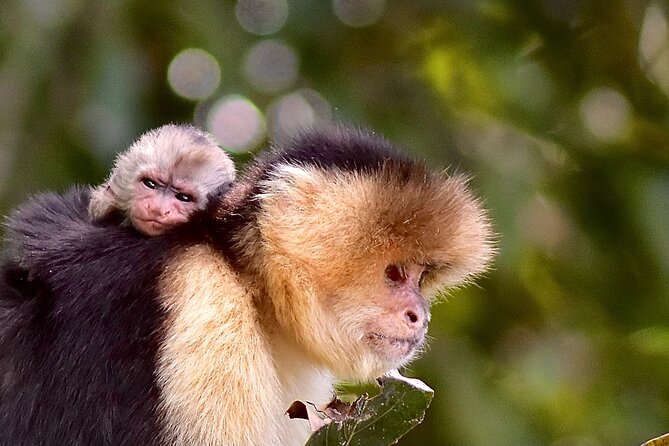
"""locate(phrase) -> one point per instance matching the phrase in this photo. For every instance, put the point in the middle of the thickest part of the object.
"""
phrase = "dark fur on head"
(334, 147)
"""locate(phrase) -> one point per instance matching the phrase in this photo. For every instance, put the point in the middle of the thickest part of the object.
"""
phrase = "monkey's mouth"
(151, 221)
(153, 225)
(156, 225)
(392, 347)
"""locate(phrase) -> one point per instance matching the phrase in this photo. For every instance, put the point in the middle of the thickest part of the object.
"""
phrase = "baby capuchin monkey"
(165, 176)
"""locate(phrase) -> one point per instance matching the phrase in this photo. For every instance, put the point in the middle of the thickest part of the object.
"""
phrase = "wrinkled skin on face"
(162, 178)
(400, 327)
(380, 319)
(159, 206)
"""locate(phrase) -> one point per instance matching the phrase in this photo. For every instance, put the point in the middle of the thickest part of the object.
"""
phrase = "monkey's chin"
(393, 350)
(150, 227)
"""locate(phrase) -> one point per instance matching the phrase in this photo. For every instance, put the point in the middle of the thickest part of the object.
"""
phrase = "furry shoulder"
(44, 224)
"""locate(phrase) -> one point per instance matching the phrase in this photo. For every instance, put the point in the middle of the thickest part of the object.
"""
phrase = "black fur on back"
(79, 327)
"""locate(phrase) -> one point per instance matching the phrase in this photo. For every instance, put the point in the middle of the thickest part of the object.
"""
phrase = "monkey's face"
(378, 321)
(400, 326)
(353, 259)
(160, 205)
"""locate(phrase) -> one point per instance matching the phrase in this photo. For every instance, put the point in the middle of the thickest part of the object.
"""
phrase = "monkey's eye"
(149, 183)
(184, 197)
(423, 275)
(395, 273)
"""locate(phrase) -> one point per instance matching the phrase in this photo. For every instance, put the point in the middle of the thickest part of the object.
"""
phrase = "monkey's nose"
(415, 318)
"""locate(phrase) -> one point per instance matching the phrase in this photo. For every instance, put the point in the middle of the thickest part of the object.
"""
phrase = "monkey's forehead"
(174, 154)
(184, 157)
(392, 213)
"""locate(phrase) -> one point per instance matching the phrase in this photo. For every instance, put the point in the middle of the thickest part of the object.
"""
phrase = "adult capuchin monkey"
(319, 265)
(165, 176)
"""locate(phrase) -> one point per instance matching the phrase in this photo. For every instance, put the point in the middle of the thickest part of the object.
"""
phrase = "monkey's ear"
(219, 191)
(102, 202)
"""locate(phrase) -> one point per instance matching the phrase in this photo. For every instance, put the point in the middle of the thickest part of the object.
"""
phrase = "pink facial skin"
(158, 206)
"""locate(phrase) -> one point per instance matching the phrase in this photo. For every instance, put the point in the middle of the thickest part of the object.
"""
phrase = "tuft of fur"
(182, 152)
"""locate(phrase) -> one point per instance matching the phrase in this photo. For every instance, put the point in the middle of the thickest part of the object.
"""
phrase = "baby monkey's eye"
(149, 183)
(184, 197)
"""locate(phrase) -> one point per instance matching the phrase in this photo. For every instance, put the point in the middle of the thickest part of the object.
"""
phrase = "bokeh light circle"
(236, 123)
(606, 114)
(359, 13)
(262, 17)
(296, 111)
(271, 66)
(194, 74)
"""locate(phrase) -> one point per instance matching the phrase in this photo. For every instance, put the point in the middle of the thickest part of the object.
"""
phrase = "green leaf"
(380, 420)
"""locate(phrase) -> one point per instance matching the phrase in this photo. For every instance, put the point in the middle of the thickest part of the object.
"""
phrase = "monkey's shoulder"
(45, 222)
(52, 242)
(51, 209)
(204, 265)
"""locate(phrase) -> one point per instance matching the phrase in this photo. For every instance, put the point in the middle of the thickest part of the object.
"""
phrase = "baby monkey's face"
(160, 205)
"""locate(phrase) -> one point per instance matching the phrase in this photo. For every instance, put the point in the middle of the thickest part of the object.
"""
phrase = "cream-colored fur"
(216, 373)
(223, 379)
(328, 235)
(175, 153)
(243, 343)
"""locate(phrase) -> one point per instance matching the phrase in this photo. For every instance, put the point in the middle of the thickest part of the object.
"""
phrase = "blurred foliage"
(558, 108)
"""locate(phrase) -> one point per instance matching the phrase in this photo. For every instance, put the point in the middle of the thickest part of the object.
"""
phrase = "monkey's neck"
(303, 376)
(301, 379)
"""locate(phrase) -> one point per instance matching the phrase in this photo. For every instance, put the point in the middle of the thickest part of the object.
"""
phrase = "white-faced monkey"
(319, 265)
(165, 176)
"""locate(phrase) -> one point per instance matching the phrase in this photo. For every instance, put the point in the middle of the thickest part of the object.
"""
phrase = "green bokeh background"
(566, 341)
